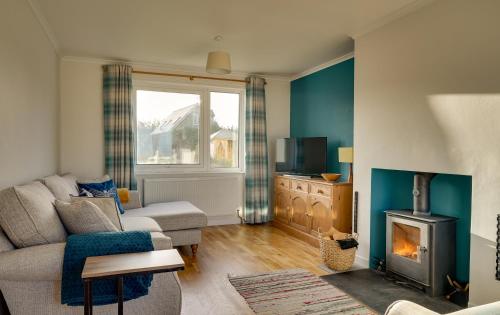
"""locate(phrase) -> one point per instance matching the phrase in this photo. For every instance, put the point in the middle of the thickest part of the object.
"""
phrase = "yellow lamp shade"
(345, 155)
(218, 62)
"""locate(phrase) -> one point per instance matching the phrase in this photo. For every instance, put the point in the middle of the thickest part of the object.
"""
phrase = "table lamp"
(345, 156)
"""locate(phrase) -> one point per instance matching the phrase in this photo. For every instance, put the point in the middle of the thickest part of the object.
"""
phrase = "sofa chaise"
(32, 242)
(179, 220)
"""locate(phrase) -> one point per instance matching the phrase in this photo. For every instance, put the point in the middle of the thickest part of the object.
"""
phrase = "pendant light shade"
(218, 62)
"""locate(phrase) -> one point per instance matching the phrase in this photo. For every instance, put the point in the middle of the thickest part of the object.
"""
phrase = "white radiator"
(218, 196)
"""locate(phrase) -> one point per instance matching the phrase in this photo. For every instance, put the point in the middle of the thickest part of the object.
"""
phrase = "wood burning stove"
(421, 249)
(419, 246)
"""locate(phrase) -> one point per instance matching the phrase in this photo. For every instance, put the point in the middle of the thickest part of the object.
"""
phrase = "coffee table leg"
(87, 297)
(119, 289)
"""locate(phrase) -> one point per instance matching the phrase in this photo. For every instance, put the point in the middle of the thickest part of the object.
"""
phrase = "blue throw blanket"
(79, 247)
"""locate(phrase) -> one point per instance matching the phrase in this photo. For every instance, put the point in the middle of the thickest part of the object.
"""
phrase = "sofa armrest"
(35, 263)
(134, 200)
(45, 262)
(407, 308)
(161, 241)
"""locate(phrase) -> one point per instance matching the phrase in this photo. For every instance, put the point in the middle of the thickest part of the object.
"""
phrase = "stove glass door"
(406, 241)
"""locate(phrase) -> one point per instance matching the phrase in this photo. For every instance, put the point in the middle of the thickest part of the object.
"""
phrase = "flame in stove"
(406, 249)
(406, 239)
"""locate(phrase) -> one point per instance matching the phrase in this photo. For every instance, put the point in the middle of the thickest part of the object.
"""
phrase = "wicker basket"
(335, 257)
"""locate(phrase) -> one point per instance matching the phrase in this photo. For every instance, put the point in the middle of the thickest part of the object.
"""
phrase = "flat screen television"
(301, 156)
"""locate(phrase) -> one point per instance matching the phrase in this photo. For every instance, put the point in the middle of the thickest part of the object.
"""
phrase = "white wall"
(28, 97)
(82, 142)
(277, 114)
(427, 98)
(82, 124)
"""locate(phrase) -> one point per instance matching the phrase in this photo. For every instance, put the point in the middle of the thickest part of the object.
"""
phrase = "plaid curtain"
(256, 178)
(119, 148)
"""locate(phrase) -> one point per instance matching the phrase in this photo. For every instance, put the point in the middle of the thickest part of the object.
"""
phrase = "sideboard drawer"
(282, 182)
(299, 185)
(321, 189)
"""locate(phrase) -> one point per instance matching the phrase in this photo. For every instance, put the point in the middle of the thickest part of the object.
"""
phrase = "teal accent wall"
(390, 190)
(322, 105)
(450, 196)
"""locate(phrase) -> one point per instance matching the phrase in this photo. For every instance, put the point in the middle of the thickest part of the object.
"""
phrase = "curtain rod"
(188, 76)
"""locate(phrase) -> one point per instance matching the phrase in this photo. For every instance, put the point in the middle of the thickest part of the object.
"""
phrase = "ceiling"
(280, 37)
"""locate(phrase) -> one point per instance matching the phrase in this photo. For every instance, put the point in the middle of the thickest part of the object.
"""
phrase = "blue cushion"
(101, 189)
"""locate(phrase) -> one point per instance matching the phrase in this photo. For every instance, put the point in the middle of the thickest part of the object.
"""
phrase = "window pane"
(168, 128)
(224, 121)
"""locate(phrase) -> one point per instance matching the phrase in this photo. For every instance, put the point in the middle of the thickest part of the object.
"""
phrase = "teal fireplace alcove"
(450, 196)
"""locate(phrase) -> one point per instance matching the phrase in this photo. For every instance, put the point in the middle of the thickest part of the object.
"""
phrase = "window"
(224, 131)
(197, 129)
(168, 128)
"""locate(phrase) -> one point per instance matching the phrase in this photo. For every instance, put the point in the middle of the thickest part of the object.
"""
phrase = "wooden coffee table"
(118, 266)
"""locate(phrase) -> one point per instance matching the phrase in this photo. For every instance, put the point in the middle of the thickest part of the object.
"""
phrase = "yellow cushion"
(123, 194)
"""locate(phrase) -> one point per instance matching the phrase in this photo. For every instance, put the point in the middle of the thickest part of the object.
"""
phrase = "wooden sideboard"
(301, 206)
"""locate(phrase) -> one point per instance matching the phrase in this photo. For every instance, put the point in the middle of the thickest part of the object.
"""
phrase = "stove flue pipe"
(422, 193)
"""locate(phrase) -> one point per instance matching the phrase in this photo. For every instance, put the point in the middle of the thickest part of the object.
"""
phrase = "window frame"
(204, 165)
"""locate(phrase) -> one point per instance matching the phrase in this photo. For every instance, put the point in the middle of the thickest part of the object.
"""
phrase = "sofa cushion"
(134, 200)
(60, 187)
(83, 216)
(71, 181)
(101, 188)
(171, 216)
(140, 224)
(107, 206)
(28, 216)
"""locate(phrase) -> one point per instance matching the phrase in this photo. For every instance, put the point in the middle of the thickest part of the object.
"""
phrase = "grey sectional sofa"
(32, 241)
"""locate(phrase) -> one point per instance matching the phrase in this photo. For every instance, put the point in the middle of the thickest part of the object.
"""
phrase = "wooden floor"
(239, 250)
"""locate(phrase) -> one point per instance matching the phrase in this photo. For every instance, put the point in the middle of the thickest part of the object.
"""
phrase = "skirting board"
(223, 219)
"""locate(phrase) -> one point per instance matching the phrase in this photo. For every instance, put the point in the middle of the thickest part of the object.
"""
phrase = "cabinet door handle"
(299, 187)
(282, 184)
(320, 191)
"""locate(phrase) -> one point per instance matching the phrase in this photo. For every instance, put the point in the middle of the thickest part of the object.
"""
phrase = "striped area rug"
(295, 291)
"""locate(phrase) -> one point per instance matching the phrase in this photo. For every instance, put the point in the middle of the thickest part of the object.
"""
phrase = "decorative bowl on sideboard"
(331, 177)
